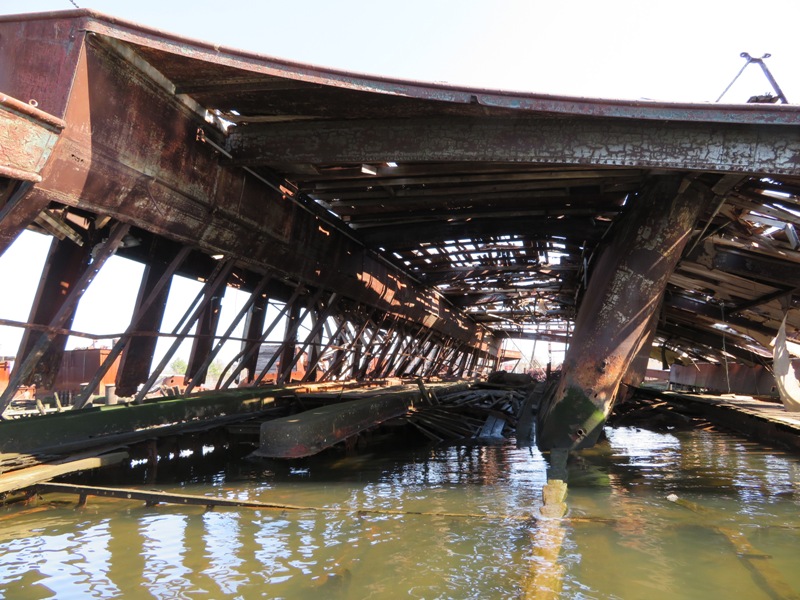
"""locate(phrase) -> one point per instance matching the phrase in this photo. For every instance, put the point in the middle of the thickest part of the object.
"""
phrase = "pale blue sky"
(682, 50)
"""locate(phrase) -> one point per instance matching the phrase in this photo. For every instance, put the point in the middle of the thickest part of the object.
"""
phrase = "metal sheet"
(27, 137)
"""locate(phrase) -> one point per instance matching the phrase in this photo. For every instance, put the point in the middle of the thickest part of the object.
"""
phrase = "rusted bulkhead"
(130, 150)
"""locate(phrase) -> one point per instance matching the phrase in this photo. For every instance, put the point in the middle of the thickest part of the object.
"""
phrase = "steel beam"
(66, 262)
(335, 339)
(623, 293)
(245, 310)
(289, 345)
(33, 352)
(251, 348)
(203, 343)
(253, 326)
(769, 270)
(400, 238)
(722, 147)
(214, 285)
(285, 368)
(147, 161)
(149, 310)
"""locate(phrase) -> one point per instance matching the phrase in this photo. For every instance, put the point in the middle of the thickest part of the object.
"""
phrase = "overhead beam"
(396, 238)
(541, 139)
(769, 270)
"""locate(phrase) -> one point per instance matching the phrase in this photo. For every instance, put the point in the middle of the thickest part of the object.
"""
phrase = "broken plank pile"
(485, 412)
(654, 413)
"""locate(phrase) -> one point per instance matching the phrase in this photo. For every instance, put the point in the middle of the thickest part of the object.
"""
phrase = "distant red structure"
(77, 367)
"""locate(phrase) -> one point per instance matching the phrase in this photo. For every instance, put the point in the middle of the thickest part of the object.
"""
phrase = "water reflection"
(623, 539)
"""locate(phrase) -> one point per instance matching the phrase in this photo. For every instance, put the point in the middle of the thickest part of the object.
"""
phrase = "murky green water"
(623, 538)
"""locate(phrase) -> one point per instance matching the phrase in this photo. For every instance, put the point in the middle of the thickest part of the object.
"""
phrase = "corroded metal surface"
(26, 139)
(622, 297)
(100, 425)
(114, 159)
(541, 139)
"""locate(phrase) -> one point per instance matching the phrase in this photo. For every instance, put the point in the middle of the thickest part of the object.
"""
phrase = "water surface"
(736, 533)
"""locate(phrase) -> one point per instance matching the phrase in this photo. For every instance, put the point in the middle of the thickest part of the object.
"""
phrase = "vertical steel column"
(337, 338)
(422, 356)
(246, 308)
(134, 366)
(473, 362)
(389, 339)
(207, 322)
(150, 310)
(286, 370)
(447, 356)
(364, 366)
(404, 340)
(218, 278)
(437, 347)
(410, 353)
(289, 344)
(27, 363)
(290, 337)
(65, 263)
(625, 289)
(252, 349)
(332, 338)
(356, 349)
(466, 357)
(253, 326)
(315, 345)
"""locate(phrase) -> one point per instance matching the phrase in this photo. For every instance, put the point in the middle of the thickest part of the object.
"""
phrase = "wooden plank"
(153, 497)
(22, 478)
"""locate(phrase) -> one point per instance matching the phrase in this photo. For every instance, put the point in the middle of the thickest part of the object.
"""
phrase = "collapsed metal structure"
(415, 226)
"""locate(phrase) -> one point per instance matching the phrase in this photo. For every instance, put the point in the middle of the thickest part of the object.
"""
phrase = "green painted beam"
(88, 427)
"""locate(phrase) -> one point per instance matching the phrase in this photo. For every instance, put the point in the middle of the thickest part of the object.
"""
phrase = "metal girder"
(569, 140)
(714, 341)
(254, 326)
(696, 307)
(398, 238)
(244, 311)
(203, 342)
(624, 292)
(288, 363)
(750, 265)
(214, 285)
(65, 264)
(121, 163)
(29, 359)
(150, 304)
(251, 348)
